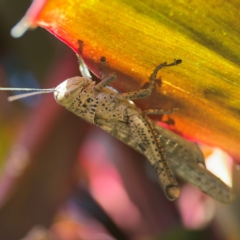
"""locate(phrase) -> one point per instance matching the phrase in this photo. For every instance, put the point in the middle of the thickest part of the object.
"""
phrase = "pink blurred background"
(62, 178)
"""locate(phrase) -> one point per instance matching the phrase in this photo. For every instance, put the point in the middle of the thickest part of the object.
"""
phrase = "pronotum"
(168, 153)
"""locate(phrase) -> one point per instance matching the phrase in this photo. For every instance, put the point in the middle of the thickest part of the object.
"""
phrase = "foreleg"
(103, 62)
(83, 68)
(105, 82)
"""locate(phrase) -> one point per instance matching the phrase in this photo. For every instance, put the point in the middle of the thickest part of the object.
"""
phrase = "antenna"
(34, 91)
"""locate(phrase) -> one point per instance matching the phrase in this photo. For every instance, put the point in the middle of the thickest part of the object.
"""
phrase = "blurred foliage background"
(62, 178)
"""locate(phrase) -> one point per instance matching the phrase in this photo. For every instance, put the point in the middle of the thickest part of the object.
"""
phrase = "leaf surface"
(136, 36)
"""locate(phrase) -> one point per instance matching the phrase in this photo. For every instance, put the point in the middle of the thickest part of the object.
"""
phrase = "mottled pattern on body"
(114, 112)
(167, 152)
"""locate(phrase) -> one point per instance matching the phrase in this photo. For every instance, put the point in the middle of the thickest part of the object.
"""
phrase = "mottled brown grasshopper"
(115, 112)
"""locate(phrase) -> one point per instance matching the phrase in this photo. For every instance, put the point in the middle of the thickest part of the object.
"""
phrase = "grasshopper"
(116, 113)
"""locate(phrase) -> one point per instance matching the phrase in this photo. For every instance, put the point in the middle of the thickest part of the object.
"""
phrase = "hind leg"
(145, 135)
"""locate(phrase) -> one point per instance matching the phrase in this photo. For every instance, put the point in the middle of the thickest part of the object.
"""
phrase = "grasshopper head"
(67, 91)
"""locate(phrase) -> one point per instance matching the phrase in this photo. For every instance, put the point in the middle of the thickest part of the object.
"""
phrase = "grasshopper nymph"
(115, 112)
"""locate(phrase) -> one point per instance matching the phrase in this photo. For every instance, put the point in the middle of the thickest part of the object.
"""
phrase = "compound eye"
(66, 94)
